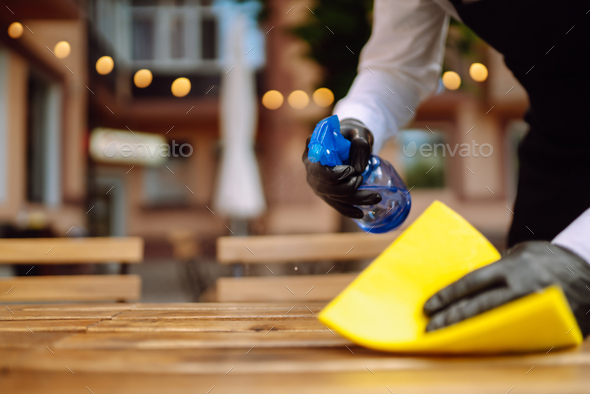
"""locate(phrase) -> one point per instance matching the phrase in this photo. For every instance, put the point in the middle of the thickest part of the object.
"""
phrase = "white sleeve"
(399, 66)
(576, 236)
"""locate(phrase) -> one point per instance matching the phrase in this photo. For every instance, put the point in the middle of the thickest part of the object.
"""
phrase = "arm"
(399, 67)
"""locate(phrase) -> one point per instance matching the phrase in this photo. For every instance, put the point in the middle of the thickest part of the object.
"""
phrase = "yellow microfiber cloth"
(382, 308)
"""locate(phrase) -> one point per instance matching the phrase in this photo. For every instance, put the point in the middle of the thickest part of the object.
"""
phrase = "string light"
(15, 30)
(181, 87)
(143, 78)
(451, 80)
(478, 72)
(323, 97)
(62, 49)
(105, 65)
(298, 99)
(272, 99)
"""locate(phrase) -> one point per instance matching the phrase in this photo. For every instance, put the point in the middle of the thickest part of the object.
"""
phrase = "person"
(545, 45)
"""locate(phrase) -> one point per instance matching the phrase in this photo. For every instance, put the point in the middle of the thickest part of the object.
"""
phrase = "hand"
(528, 267)
(338, 185)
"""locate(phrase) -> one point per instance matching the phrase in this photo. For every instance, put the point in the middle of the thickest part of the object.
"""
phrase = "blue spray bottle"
(330, 148)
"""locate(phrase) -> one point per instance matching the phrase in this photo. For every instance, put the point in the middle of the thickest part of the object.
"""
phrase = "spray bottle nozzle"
(327, 145)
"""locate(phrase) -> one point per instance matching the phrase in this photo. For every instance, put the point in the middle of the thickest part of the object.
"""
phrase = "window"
(209, 37)
(166, 35)
(165, 186)
(43, 140)
(143, 36)
(423, 156)
(4, 110)
(36, 138)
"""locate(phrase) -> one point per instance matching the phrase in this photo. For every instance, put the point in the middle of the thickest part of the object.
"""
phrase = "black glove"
(528, 267)
(338, 185)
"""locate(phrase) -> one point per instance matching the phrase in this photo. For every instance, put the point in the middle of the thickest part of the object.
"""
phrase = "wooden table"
(242, 348)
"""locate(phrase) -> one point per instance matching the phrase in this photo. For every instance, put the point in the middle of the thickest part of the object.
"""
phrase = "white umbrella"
(239, 188)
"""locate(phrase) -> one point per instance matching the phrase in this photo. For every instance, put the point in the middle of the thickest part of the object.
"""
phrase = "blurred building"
(43, 115)
(53, 106)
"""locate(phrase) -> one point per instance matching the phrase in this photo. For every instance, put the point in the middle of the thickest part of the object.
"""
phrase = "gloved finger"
(360, 152)
(342, 189)
(360, 197)
(469, 307)
(473, 282)
(326, 174)
(344, 209)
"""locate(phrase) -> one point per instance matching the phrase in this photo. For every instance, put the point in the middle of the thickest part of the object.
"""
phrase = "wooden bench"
(293, 248)
(37, 251)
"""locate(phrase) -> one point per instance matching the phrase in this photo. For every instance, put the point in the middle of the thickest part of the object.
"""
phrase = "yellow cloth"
(382, 308)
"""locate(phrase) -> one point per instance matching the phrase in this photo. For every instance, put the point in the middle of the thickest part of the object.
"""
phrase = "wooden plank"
(220, 311)
(295, 248)
(193, 325)
(185, 306)
(229, 306)
(26, 339)
(71, 288)
(7, 313)
(71, 250)
(88, 306)
(541, 380)
(282, 288)
(247, 314)
(263, 361)
(37, 326)
(202, 340)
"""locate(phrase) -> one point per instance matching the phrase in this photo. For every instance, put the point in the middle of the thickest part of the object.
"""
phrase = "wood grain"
(198, 325)
(268, 360)
(71, 250)
(191, 348)
(231, 306)
(7, 313)
(71, 288)
(252, 314)
(202, 340)
(282, 288)
(37, 326)
(26, 339)
(541, 380)
(75, 307)
(295, 248)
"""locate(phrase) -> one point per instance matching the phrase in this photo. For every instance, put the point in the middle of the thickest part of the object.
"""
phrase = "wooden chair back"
(292, 249)
(38, 251)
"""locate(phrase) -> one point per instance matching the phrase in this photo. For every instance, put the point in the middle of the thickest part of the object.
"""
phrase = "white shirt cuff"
(576, 236)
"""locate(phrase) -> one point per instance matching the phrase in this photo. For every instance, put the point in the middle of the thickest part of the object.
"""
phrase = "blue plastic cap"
(327, 145)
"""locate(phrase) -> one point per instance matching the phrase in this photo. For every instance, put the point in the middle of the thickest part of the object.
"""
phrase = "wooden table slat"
(180, 348)
(62, 325)
(186, 340)
(268, 360)
(542, 380)
(56, 314)
(204, 325)
(252, 314)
